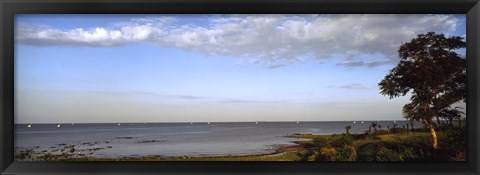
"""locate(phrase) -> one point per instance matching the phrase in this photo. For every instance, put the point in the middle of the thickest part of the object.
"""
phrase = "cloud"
(276, 66)
(86, 37)
(247, 101)
(133, 93)
(136, 93)
(266, 39)
(350, 86)
(350, 63)
(187, 97)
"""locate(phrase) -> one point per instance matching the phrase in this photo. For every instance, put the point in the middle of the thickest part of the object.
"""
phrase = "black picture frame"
(9, 8)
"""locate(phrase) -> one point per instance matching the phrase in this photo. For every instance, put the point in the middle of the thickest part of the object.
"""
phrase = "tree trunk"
(431, 127)
(434, 135)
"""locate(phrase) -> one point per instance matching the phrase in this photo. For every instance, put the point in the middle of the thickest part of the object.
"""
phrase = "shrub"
(367, 152)
(347, 153)
(325, 154)
(358, 136)
(398, 130)
(407, 153)
(320, 142)
(341, 141)
(456, 138)
(304, 155)
(386, 154)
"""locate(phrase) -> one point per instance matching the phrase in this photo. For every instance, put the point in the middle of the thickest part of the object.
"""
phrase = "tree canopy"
(433, 72)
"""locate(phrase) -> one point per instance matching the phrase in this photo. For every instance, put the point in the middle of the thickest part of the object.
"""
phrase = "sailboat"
(354, 122)
(29, 126)
(58, 126)
(208, 123)
(298, 122)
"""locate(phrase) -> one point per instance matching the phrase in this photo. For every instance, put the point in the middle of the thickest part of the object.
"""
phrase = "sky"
(211, 68)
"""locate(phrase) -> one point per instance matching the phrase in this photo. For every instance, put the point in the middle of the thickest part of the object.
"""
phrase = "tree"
(433, 72)
(347, 129)
(374, 126)
(451, 114)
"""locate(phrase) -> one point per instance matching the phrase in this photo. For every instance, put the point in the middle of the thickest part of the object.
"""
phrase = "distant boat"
(298, 122)
(256, 122)
(191, 123)
(394, 121)
(29, 126)
(119, 124)
(354, 122)
(208, 123)
(58, 126)
(362, 121)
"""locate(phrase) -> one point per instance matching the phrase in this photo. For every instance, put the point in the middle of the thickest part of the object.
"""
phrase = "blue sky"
(183, 68)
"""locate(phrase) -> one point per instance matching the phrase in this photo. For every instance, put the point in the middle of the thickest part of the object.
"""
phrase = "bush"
(367, 152)
(347, 153)
(304, 155)
(336, 148)
(325, 154)
(358, 136)
(341, 141)
(398, 130)
(456, 138)
(407, 153)
(403, 153)
(320, 142)
(386, 154)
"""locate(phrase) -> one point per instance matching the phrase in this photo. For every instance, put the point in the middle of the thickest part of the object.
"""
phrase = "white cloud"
(350, 86)
(268, 39)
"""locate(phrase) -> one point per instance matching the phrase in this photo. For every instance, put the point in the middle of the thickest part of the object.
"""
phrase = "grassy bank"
(394, 145)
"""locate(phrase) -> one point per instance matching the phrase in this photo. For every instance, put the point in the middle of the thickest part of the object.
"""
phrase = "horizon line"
(285, 121)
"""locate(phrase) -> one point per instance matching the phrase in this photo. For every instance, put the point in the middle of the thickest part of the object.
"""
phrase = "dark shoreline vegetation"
(393, 144)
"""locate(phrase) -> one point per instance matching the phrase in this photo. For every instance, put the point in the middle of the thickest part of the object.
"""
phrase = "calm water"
(175, 139)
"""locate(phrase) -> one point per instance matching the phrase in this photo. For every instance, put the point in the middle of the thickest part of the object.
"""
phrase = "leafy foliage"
(434, 73)
(386, 154)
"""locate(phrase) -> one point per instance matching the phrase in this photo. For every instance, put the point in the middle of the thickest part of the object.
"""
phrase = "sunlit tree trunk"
(431, 127)
(433, 134)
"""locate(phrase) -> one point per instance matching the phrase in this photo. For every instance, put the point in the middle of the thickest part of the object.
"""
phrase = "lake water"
(176, 139)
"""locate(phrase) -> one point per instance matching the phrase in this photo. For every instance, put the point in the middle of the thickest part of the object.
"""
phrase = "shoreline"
(66, 154)
(397, 144)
